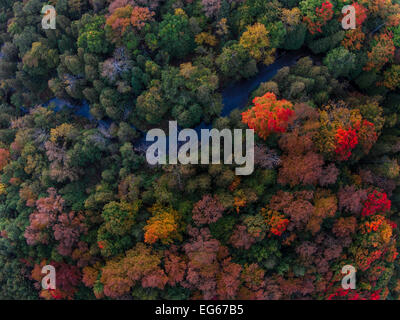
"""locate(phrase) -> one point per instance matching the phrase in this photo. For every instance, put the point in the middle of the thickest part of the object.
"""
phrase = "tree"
(392, 77)
(114, 5)
(343, 133)
(346, 140)
(354, 39)
(291, 17)
(229, 280)
(241, 239)
(109, 98)
(256, 226)
(119, 20)
(252, 277)
(61, 167)
(163, 225)
(340, 62)
(295, 37)
(128, 16)
(211, 7)
(92, 35)
(297, 207)
(13, 280)
(382, 51)
(207, 210)
(361, 13)
(301, 169)
(376, 202)
(116, 67)
(140, 16)
(67, 230)
(205, 38)
(119, 217)
(235, 62)
(175, 267)
(40, 59)
(315, 20)
(151, 105)
(90, 275)
(175, 35)
(325, 204)
(300, 163)
(256, 41)
(45, 216)
(345, 227)
(266, 158)
(329, 175)
(352, 199)
(139, 264)
(275, 221)
(268, 115)
(203, 267)
(4, 157)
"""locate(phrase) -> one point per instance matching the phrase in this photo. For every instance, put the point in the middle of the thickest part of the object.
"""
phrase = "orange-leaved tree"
(163, 225)
(4, 157)
(382, 51)
(122, 18)
(268, 115)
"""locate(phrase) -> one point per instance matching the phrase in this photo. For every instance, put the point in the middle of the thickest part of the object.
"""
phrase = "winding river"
(234, 96)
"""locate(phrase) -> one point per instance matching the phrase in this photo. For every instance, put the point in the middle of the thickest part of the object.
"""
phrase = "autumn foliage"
(163, 225)
(68, 278)
(276, 222)
(346, 140)
(382, 52)
(321, 16)
(376, 202)
(77, 190)
(361, 13)
(268, 115)
(4, 156)
(128, 16)
(140, 264)
(207, 210)
(354, 39)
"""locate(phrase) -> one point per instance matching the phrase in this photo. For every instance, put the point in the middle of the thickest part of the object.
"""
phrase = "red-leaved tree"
(268, 115)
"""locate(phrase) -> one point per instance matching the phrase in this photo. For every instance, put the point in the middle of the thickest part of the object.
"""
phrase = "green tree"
(92, 36)
(340, 62)
(175, 35)
(235, 62)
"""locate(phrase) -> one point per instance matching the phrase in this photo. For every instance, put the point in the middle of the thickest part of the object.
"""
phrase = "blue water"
(234, 96)
(237, 95)
(82, 110)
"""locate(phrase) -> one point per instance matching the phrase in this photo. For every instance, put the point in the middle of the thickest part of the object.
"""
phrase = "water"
(234, 97)
(237, 95)
(82, 110)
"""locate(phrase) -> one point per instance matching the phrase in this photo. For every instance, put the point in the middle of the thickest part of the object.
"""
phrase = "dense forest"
(77, 193)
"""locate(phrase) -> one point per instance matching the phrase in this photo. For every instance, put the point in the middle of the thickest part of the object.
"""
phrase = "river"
(234, 96)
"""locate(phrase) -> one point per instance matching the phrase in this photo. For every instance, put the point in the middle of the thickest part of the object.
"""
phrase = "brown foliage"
(207, 210)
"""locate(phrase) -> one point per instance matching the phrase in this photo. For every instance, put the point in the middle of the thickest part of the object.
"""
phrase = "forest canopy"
(77, 193)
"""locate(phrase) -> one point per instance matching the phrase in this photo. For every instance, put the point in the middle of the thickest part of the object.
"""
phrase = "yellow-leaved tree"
(163, 225)
(256, 41)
